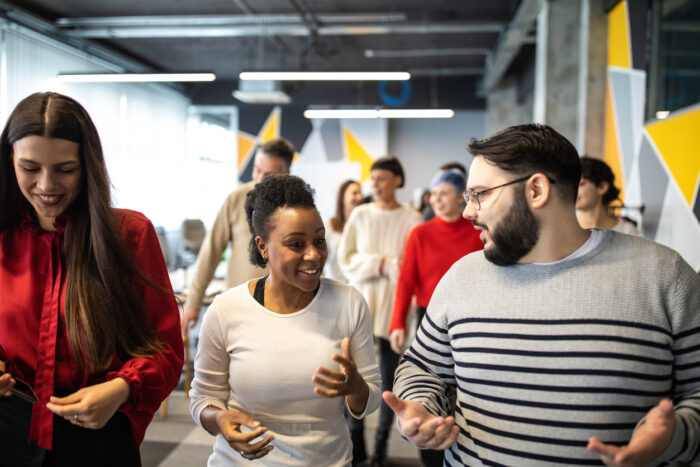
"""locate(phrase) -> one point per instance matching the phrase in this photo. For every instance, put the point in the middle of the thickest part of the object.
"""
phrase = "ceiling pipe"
(223, 20)
(414, 53)
(291, 29)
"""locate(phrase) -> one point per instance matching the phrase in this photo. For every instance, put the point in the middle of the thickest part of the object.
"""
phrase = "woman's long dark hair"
(104, 311)
(338, 221)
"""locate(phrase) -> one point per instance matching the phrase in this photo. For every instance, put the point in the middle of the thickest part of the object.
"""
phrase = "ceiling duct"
(261, 92)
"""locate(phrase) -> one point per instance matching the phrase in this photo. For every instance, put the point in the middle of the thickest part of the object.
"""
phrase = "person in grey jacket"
(555, 344)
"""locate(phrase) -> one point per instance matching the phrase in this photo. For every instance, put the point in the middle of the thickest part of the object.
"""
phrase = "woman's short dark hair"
(392, 164)
(272, 193)
(598, 172)
(533, 148)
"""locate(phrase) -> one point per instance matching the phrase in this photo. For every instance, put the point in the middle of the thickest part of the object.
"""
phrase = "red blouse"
(33, 339)
(431, 249)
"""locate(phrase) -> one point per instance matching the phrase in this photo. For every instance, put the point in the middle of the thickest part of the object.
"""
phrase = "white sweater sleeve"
(210, 385)
(362, 352)
(358, 266)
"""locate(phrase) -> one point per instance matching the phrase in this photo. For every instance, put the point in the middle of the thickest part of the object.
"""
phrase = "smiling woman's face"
(48, 173)
(296, 247)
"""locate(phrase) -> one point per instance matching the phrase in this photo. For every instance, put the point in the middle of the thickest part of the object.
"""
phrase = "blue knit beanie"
(454, 177)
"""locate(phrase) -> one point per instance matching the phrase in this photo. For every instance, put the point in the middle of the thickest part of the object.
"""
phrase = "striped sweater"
(533, 360)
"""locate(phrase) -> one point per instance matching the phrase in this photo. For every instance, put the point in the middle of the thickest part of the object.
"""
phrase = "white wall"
(142, 126)
(423, 145)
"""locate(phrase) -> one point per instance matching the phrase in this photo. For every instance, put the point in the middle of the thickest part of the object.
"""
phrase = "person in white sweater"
(370, 254)
(281, 357)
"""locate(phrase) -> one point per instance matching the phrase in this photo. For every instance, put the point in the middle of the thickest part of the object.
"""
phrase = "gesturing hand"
(647, 442)
(421, 427)
(230, 422)
(346, 382)
(92, 406)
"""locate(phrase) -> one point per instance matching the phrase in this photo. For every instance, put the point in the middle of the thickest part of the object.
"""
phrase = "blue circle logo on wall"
(395, 101)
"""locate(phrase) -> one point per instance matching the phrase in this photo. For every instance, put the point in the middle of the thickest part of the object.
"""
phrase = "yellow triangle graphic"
(271, 128)
(680, 152)
(619, 47)
(246, 143)
(356, 153)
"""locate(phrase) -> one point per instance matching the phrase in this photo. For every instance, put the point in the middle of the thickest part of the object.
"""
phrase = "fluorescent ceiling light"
(379, 113)
(661, 114)
(326, 75)
(134, 77)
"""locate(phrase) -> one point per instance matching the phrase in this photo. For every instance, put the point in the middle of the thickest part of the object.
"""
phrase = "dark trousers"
(429, 457)
(388, 361)
(73, 446)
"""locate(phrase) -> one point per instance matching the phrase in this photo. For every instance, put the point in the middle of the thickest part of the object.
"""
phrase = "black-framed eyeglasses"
(475, 196)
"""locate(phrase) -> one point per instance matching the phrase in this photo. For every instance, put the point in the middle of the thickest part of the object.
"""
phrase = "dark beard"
(514, 235)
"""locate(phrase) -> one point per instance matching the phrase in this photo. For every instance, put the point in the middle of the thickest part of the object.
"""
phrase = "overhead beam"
(515, 36)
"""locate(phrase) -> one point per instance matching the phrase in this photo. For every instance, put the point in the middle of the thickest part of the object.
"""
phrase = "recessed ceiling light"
(379, 113)
(134, 77)
(326, 75)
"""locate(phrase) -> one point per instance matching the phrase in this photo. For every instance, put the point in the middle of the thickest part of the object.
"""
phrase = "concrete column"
(569, 76)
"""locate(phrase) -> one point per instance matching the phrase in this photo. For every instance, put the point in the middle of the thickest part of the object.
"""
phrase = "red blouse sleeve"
(152, 379)
(406, 285)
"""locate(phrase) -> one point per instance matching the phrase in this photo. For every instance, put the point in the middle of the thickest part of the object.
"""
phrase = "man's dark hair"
(392, 164)
(455, 166)
(533, 148)
(272, 193)
(598, 172)
(279, 147)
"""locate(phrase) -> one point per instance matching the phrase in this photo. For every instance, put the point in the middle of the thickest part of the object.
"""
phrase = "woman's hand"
(229, 425)
(92, 406)
(346, 382)
(6, 381)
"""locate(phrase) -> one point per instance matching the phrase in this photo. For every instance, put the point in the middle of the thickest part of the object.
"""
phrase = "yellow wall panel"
(619, 47)
(245, 145)
(678, 140)
(271, 128)
(356, 153)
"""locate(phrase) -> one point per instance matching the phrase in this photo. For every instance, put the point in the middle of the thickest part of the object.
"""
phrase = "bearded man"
(555, 344)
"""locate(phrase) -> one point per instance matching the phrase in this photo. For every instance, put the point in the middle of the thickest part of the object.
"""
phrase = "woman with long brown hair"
(349, 196)
(90, 340)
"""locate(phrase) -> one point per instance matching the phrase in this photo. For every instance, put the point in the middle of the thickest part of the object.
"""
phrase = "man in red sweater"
(430, 251)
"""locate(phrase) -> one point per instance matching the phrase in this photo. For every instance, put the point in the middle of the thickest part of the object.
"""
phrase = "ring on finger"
(345, 378)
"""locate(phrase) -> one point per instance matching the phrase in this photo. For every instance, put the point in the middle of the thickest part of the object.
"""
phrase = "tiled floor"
(178, 442)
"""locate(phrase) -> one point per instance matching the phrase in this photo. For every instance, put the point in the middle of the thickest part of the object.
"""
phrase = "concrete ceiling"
(441, 42)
